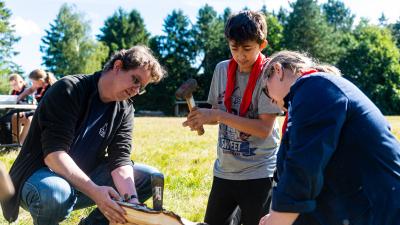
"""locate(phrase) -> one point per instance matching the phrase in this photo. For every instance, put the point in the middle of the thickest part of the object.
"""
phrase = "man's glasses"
(137, 83)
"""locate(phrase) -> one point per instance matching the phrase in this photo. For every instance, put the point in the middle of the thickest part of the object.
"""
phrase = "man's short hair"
(246, 26)
(135, 57)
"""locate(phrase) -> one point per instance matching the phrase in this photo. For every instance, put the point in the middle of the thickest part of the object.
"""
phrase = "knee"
(146, 169)
(54, 201)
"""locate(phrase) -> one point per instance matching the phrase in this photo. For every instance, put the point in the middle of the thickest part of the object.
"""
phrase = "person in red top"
(41, 82)
(18, 86)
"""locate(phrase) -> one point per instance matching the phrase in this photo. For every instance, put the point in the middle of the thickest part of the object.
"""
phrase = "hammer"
(157, 187)
(6, 186)
(185, 92)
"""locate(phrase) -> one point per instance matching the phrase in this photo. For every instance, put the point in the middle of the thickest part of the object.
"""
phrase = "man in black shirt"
(77, 152)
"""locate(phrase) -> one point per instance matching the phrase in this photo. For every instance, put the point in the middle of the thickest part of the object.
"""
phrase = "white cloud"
(25, 27)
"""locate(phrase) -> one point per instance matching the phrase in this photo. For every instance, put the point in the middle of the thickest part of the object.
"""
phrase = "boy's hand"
(278, 218)
(200, 116)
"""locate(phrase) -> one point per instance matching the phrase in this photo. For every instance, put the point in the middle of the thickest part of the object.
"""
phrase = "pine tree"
(212, 46)
(307, 30)
(383, 21)
(123, 30)
(176, 50)
(7, 39)
(395, 28)
(68, 46)
(338, 15)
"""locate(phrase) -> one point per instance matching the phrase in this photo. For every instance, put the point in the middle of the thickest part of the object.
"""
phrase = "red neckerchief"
(248, 93)
(14, 92)
(39, 94)
(284, 125)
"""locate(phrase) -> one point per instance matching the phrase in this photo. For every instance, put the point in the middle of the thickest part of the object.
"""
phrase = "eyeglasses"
(265, 89)
(137, 83)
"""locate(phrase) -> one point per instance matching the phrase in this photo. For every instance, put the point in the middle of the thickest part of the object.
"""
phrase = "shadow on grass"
(7, 150)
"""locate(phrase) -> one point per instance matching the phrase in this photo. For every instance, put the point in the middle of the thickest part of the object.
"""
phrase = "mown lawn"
(185, 159)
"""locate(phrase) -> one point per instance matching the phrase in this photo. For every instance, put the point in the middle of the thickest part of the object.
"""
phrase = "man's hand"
(62, 163)
(111, 210)
(200, 116)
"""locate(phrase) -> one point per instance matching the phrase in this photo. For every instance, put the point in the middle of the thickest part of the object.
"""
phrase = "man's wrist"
(131, 198)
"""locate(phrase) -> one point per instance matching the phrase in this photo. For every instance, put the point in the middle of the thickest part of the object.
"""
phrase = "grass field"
(185, 159)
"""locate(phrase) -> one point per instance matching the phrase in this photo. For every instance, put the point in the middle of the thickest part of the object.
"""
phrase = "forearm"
(25, 93)
(123, 178)
(61, 163)
(255, 127)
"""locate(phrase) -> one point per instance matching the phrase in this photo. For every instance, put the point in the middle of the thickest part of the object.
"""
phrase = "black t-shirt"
(91, 136)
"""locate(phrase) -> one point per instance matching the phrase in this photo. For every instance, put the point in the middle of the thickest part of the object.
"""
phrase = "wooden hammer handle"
(191, 104)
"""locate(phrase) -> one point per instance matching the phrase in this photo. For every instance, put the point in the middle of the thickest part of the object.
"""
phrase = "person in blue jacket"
(338, 162)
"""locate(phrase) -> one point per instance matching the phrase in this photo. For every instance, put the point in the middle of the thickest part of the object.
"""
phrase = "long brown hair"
(40, 74)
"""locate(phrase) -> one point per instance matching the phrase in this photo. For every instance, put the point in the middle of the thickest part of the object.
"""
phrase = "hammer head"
(186, 89)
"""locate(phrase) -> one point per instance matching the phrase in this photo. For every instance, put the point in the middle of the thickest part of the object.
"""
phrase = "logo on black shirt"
(103, 130)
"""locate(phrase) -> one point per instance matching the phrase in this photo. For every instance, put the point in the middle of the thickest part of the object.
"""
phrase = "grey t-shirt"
(241, 156)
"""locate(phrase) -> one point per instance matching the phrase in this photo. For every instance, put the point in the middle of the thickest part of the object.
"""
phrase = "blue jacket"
(338, 162)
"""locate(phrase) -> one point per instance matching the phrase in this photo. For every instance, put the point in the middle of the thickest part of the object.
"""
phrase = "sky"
(32, 17)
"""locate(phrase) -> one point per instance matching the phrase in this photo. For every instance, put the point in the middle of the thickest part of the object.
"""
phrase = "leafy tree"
(372, 63)
(176, 50)
(212, 47)
(307, 30)
(275, 32)
(7, 39)
(68, 47)
(123, 30)
(338, 15)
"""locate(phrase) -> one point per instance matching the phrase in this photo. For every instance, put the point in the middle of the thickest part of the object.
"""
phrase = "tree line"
(367, 54)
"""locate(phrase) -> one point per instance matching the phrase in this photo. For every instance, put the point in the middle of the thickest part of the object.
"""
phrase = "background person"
(77, 152)
(248, 135)
(18, 86)
(338, 162)
(41, 82)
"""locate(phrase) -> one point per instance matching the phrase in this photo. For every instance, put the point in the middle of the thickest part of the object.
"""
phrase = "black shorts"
(29, 113)
(252, 196)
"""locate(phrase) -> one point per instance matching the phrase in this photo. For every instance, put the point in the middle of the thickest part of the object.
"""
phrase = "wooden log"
(142, 215)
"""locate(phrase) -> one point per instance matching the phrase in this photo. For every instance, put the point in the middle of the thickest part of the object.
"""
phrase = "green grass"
(185, 159)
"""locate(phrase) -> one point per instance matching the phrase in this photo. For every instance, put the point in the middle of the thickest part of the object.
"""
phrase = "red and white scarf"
(248, 93)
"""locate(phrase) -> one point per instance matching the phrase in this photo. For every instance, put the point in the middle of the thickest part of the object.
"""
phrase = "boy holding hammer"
(248, 134)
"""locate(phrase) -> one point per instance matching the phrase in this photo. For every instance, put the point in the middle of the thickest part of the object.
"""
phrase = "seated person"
(18, 86)
(41, 82)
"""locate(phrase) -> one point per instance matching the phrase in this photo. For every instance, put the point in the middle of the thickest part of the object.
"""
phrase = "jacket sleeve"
(317, 114)
(119, 151)
(58, 114)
